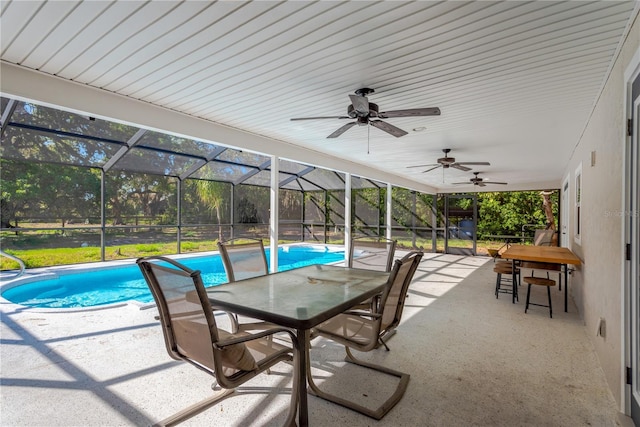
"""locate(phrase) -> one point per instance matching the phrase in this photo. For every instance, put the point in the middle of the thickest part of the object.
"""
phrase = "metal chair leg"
(377, 413)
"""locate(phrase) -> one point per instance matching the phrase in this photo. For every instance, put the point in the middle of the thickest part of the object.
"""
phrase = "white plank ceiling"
(515, 81)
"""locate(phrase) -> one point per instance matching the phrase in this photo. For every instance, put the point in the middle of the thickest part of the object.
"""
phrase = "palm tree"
(212, 194)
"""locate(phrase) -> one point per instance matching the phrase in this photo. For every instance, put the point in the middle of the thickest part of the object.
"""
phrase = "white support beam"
(274, 214)
(347, 216)
(389, 211)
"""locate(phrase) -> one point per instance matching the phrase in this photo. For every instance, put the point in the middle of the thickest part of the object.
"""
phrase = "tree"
(213, 194)
(132, 194)
(511, 212)
(251, 202)
(15, 187)
(51, 192)
(290, 205)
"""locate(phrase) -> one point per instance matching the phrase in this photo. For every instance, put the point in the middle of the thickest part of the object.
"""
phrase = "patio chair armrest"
(362, 313)
(249, 337)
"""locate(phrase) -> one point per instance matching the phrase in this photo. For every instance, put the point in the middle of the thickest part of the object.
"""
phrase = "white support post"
(274, 214)
(389, 212)
(347, 216)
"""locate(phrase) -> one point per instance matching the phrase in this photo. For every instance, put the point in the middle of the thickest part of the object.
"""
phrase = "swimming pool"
(99, 286)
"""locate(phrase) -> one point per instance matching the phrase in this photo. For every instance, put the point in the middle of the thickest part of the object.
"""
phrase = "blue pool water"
(103, 286)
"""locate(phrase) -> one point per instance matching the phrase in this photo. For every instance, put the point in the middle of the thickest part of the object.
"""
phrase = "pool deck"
(473, 360)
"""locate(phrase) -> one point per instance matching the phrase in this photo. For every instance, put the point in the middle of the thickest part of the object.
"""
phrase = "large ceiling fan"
(449, 162)
(480, 182)
(367, 113)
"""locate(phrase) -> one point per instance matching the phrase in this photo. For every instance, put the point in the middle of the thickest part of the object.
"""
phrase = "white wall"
(596, 285)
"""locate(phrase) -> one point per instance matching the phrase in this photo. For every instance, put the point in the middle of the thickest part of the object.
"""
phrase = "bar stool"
(506, 269)
(548, 268)
(539, 281)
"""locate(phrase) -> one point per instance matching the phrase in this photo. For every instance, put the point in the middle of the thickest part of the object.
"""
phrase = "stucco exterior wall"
(596, 285)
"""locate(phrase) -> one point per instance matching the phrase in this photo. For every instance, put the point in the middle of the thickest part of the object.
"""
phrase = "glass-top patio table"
(299, 299)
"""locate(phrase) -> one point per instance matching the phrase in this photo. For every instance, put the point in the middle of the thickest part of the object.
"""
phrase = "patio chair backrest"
(392, 300)
(372, 253)
(243, 258)
(543, 237)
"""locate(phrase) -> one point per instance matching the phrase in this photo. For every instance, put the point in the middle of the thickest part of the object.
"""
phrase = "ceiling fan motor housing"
(446, 161)
(373, 111)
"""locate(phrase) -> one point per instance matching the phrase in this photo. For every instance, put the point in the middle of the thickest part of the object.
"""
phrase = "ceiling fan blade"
(360, 105)
(481, 184)
(413, 112)
(395, 131)
(474, 163)
(342, 130)
(490, 182)
(423, 166)
(429, 170)
(460, 167)
(325, 117)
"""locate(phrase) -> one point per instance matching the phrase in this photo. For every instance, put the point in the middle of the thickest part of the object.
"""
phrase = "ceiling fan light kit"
(367, 113)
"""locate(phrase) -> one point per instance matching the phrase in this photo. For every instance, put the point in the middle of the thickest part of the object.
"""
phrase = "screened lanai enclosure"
(73, 181)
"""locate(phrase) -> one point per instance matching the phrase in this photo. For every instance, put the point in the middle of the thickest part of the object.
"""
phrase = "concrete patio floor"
(474, 360)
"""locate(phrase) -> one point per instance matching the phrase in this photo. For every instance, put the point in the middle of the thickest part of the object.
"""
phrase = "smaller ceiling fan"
(480, 182)
(449, 162)
(367, 113)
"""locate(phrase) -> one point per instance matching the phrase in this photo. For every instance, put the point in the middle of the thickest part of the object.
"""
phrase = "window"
(578, 193)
